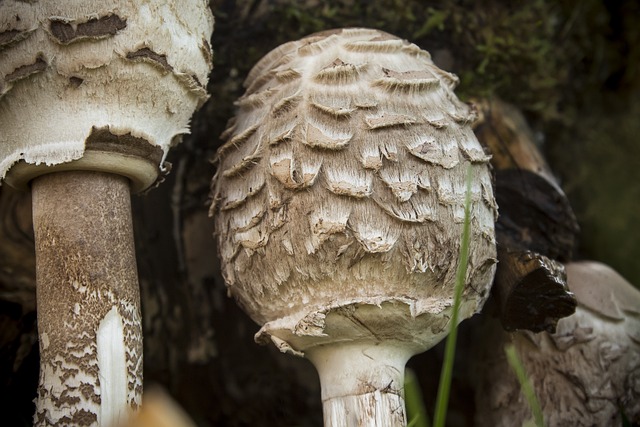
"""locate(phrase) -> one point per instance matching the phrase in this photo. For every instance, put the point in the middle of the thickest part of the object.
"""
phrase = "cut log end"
(532, 291)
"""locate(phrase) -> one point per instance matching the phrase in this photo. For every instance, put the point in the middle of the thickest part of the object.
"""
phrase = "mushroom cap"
(584, 374)
(341, 184)
(102, 77)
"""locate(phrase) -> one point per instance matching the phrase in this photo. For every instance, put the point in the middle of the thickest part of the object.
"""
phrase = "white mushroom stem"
(360, 352)
(88, 300)
(362, 382)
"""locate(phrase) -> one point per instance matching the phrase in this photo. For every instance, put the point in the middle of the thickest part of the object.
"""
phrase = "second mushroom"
(339, 206)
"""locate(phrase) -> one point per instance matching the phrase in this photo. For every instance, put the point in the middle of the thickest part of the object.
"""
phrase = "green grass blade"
(416, 411)
(444, 387)
(525, 384)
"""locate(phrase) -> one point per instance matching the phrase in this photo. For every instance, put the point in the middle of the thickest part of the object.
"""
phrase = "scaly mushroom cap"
(121, 77)
(342, 184)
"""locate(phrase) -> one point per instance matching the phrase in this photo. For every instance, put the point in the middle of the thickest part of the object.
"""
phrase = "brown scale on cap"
(339, 200)
(341, 161)
(88, 112)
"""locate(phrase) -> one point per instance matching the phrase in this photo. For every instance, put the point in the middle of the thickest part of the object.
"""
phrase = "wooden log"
(538, 294)
(534, 215)
(504, 130)
(536, 225)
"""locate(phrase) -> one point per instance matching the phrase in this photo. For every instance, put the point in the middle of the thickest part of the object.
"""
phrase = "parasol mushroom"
(339, 207)
(586, 373)
(92, 95)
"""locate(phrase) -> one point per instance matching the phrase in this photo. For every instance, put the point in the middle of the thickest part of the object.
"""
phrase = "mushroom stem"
(88, 300)
(362, 382)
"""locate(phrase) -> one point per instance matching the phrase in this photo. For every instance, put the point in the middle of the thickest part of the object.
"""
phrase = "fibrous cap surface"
(131, 70)
(342, 183)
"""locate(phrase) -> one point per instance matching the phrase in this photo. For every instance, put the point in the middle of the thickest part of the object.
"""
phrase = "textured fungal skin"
(342, 182)
(130, 68)
(585, 374)
(89, 321)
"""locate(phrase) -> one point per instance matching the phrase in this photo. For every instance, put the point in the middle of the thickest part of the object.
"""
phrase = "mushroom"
(587, 373)
(92, 95)
(339, 207)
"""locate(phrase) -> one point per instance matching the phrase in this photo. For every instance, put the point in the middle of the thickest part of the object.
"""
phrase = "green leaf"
(416, 411)
(444, 387)
(525, 384)
(436, 20)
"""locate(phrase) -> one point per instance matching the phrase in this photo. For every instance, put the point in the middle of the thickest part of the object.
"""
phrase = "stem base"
(362, 382)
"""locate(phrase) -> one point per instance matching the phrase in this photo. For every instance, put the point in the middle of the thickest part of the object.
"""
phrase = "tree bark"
(536, 224)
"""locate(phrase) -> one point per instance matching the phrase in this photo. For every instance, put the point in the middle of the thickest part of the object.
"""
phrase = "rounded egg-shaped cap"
(341, 183)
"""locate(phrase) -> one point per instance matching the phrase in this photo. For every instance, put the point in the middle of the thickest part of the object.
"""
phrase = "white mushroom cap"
(73, 74)
(341, 189)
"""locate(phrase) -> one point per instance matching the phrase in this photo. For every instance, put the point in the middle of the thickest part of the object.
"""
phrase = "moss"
(563, 62)
(510, 54)
(525, 52)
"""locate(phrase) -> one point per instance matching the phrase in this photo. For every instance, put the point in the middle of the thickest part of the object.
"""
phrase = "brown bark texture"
(536, 227)
(86, 268)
